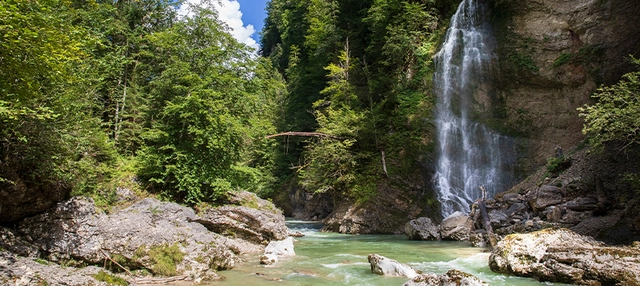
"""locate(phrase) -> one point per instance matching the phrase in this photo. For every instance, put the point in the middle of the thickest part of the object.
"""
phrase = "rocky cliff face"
(551, 56)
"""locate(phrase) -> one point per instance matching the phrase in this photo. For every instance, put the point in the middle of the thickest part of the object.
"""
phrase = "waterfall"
(470, 154)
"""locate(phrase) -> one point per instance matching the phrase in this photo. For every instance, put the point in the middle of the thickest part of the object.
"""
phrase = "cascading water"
(470, 155)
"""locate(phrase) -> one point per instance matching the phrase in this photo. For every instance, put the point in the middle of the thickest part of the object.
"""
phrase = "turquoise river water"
(340, 259)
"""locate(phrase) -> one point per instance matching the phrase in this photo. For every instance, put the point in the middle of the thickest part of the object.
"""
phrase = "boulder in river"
(422, 229)
(560, 255)
(389, 267)
(451, 278)
(281, 248)
(268, 258)
(457, 226)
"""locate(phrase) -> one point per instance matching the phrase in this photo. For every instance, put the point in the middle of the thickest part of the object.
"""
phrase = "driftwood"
(384, 164)
(485, 218)
(152, 280)
(304, 134)
(121, 267)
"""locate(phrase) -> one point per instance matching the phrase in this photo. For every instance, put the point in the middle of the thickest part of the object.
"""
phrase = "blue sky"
(253, 13)
(245, 18)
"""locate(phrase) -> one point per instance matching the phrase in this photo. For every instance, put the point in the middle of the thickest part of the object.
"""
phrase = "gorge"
(138, 144)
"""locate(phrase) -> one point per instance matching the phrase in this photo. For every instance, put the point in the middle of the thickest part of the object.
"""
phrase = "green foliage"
(165, 259)
(50, 139)
(212, 103)
(363, 69)
(41, 261)
(556, 165)
(633, 179)
(110, 279)
(615, 117)
(562, 59)
(524, 61)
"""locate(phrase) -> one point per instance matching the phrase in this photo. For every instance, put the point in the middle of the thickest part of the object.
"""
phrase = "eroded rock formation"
(451, 278)
(560, 255)
(164, 238)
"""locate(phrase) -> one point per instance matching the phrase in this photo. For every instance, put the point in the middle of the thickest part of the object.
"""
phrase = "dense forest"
(98, 95)
(359, 71)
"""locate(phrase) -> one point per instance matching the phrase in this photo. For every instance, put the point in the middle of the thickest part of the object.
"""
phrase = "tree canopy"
(94, 92)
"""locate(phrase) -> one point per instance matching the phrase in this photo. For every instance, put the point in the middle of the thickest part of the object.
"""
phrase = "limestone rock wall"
(551, 56)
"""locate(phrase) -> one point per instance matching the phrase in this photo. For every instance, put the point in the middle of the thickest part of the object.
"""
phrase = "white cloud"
(229, 13)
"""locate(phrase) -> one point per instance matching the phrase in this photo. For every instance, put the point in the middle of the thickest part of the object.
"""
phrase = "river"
(341, 259)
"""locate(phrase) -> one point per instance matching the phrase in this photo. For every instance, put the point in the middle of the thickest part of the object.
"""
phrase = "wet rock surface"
(451, 278)
(278, 249)
(385, 266)
(560, 255)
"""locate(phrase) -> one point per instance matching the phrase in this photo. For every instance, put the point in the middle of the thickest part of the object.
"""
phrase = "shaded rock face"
(19, 200)
(551, 56)
(310, 206)
(451, 278)
(387, 213)
(560, 255)
(389, 267)
(589, 197)
(422, 229)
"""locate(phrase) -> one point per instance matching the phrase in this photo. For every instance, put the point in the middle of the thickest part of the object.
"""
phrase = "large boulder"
(456, 226)
(560, 255)
(389, 267)
(545, 196)
(422, 229)
(451, 278)
(276, 250)
(257, 226)
(143, 235)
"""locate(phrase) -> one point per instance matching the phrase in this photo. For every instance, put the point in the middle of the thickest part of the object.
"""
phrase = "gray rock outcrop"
(456, 226)
(245, 223)
(19, 271)
(422, 229)
(75, 230)
(552, 56)
(389, 267)
(141, 236)
(451, 278)
(560, 255)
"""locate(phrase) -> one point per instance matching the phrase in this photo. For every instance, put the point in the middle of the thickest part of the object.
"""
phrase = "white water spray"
(470, 155)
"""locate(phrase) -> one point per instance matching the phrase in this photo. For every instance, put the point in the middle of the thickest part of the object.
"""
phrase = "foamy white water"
(470, 155)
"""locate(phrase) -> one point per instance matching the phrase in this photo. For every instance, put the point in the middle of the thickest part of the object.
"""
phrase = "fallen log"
(485, 218)
(160, 280)
(304, 134)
